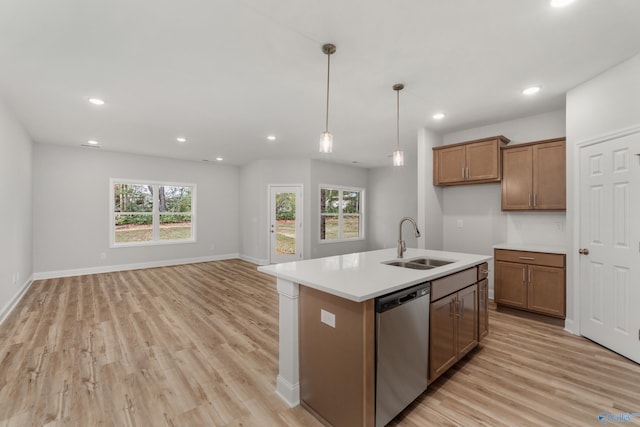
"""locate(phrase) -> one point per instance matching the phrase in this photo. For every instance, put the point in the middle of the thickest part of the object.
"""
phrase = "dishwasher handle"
(396, 299)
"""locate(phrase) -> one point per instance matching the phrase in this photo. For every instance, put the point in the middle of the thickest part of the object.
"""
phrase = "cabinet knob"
(583, 251)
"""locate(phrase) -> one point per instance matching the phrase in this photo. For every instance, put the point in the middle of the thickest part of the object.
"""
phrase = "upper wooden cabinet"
(533, 176)
(471, 162)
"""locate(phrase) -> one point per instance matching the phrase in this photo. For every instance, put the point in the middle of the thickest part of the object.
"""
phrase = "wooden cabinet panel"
(511, 285)
(549, 180)
(528, 257)
(534, 176)
(453, 283)
(451, 165)
(442, 336)
(483, 161)
(483, 309)
(527, 284)
(467, 318)
(344, 355)
(546, 290)
(471, 162)
(453, 329)
(517, 180)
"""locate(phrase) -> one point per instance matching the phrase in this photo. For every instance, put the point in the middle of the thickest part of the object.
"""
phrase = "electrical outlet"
(212, 247)
(103, 255)
(328, 318)
(460, 223)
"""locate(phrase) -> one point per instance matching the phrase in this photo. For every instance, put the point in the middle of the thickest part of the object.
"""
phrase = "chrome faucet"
(402, 247)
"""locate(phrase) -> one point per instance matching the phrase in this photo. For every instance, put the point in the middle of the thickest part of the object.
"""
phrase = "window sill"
(355, 239)
(154, 243)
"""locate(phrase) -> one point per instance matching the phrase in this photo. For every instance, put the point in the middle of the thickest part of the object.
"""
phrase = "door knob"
(583, 251)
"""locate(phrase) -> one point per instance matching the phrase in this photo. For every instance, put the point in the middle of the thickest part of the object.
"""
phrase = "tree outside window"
(340, 213)
(151, 212)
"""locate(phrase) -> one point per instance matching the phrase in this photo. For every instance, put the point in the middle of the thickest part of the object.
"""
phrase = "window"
(341, 213)
(151, 213)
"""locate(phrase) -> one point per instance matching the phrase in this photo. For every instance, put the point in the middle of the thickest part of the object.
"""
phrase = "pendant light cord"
(326, 125)
(398, 121)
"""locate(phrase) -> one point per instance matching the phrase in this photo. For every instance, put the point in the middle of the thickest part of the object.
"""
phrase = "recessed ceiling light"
(92, 142)
(271, 137)
(219, 159)
(560, 3)
(181, 139)
(96, 101)
(531, 90)
(439, 116)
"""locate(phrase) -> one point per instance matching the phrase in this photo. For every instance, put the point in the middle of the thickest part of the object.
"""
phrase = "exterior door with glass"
(285, 223)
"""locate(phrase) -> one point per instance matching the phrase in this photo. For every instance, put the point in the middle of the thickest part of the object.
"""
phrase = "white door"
(285, 223)
(609, 281)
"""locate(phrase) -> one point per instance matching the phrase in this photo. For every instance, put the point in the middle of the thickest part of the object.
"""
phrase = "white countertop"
(362, 276)
(552, 249)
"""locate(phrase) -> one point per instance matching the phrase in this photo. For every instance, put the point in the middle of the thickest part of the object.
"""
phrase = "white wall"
(430, 202)
(604, 105)
(472, 217)
(16, 258)
(391, 196)
(71, 209)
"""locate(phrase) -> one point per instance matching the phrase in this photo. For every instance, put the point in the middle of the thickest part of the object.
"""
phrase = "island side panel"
(337, 363)
(287, 382)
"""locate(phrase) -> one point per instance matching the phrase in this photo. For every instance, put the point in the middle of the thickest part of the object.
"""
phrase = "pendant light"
(398, 155)
(326, 139)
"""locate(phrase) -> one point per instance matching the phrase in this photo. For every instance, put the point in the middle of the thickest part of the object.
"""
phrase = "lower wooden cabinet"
(453, 329)
(532, 281)
(483, 309)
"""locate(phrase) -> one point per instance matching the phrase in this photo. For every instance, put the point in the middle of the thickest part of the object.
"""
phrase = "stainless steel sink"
(407, 264)
(430, 261)
(419, 263)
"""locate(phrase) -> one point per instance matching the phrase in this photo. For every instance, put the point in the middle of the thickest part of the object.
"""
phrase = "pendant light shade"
(326, 138)
(398, 155)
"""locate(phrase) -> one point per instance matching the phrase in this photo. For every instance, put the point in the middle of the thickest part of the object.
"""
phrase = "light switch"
(328, 318)
(460, 223)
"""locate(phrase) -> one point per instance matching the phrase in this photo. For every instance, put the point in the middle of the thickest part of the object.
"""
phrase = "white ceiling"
(227, 73)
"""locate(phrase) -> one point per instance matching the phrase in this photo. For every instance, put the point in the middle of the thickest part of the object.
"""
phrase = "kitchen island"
(342, 290)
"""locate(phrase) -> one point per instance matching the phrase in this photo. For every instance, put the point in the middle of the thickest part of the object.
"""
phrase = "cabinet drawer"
(453, 283)
(525, 257)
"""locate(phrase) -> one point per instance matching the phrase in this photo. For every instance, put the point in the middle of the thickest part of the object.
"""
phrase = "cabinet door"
(467, 317)
(511, 284)
(517, 178)
(483, 309)
(483, 161)
(450, 165)
(442, 336)
(546, 290)
(549, 180)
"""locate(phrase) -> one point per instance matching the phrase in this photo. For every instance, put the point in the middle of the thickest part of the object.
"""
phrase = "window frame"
(155, 213)
(342, 189)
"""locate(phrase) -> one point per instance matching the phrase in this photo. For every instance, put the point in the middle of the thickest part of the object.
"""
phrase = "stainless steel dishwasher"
(402, 350)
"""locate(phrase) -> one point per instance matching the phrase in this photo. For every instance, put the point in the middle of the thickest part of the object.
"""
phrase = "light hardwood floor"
(196, 345)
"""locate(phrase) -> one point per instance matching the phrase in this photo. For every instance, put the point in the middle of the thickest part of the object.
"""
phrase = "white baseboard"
(15, 300)
(124, 267)
(569, 326)
(253, 260)
(288, 392)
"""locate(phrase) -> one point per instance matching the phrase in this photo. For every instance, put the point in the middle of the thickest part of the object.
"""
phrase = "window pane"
(174, 199)
(133, 198)
(328, 227)
(133, 228)
(175, 227)
(329, 200)
(351, 202)
(351, 227)
(285, 223)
